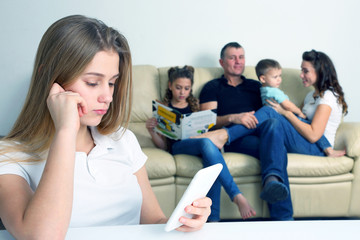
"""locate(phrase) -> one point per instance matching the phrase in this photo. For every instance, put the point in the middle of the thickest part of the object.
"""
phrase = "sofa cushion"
(348, 137)
(160, 164)
(241, 165)
(145, 89)
(300, 165)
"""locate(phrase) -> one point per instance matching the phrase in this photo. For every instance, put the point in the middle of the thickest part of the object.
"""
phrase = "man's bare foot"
(330, 152)
(218, 137)
(245, 209)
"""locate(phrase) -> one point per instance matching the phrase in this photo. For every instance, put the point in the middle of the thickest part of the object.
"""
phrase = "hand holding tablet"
(198, 188)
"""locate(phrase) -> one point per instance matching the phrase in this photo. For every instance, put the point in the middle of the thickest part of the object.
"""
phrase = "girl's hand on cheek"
(65, 108)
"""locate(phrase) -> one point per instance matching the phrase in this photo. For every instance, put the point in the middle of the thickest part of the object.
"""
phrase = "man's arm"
(221, 121)
(247, 119)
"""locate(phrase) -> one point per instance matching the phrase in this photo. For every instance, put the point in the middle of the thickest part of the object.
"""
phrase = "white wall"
(178, 32)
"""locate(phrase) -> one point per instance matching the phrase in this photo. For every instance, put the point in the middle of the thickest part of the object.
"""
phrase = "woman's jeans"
(322, 143)
(210, 155)
(277, 137)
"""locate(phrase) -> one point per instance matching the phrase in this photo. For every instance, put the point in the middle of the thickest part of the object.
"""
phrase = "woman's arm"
(312, 132)
(151, 212)
(290, 106)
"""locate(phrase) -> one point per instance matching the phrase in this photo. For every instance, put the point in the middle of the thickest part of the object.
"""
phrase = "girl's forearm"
(49, 210)
(158, 140)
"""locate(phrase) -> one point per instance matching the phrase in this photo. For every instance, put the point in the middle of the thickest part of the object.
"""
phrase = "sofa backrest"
(150, 83)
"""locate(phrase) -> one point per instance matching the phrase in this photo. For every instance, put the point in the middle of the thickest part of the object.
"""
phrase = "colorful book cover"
(175, 125)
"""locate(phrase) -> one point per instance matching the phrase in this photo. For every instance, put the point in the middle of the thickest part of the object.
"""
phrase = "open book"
(175, 125)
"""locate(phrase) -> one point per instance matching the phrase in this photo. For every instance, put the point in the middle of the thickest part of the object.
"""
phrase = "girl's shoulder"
(11, 151)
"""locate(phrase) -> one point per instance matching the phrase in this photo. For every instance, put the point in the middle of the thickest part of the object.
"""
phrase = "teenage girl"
(69, 160)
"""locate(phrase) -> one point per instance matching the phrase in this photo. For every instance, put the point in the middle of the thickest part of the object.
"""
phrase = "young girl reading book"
(179, 97)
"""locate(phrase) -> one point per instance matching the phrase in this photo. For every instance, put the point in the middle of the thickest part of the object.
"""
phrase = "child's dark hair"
(264, 65)
(184, 72)
(326, 75)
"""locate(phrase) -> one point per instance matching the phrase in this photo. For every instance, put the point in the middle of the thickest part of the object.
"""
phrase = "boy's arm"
(290, 106)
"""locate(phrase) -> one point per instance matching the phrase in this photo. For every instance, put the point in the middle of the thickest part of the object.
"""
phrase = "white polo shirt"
(106, 191)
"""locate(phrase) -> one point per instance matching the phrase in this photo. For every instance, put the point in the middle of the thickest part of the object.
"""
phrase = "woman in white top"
(69, 159)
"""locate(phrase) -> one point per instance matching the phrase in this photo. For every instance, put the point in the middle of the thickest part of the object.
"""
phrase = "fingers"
(202, 203)
(271, 102)
(55, 89)
(253, 118)
(249, 120)
(151, 123)
(65, 107)
(82, 107)
(276, 106)
(200, 209)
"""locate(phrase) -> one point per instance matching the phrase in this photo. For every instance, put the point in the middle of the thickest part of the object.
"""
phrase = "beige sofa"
(320, 186)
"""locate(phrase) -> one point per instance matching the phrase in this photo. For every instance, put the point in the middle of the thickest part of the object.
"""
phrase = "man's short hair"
(229, 45)
(264, 65)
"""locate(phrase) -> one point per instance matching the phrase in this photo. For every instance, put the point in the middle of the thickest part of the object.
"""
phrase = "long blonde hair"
(65, 50)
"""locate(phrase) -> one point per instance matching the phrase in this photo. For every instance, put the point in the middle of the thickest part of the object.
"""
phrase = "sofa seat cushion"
(187, 165)
(160, 164)
(239, 165)
(300, 165)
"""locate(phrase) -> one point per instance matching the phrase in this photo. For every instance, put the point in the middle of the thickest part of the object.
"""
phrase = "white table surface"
(308, 230)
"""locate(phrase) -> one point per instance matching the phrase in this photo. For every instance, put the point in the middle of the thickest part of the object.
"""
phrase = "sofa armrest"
(348, 137)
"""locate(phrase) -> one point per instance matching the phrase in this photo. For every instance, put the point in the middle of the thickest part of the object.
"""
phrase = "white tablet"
(198, 188)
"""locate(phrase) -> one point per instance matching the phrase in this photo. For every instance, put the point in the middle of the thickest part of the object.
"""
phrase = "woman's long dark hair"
(185, 72)
(326, 75)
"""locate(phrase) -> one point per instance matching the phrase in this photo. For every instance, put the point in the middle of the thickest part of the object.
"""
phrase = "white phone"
(198, 188)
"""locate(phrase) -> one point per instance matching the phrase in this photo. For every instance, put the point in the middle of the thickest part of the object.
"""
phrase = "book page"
(175, 125)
